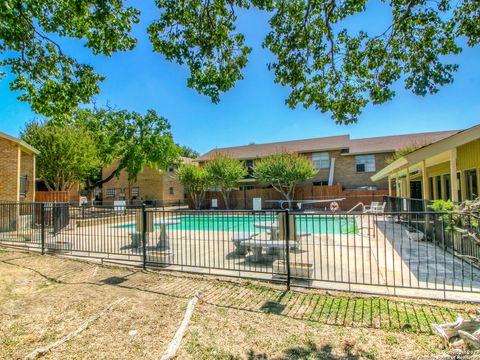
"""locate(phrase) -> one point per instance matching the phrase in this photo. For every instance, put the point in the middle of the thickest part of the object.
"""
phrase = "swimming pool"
(311, 224)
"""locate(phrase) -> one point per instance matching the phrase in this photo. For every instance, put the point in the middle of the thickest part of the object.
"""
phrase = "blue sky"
(254, 111)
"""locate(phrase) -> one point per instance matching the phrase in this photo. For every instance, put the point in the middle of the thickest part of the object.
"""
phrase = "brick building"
(338, 159)
(152, 185)
(17, 169)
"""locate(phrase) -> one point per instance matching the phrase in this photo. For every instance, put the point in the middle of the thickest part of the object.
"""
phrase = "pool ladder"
(356, 206)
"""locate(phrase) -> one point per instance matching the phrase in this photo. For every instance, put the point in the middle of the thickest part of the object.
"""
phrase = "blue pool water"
(313, 224)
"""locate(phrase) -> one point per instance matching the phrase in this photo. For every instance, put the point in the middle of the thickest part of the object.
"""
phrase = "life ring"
(334, 206)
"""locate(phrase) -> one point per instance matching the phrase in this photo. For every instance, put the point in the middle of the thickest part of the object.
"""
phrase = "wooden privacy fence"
(52, 196)
(243, 199)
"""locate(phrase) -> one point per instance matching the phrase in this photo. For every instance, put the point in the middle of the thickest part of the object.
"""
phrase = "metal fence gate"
(396, 253)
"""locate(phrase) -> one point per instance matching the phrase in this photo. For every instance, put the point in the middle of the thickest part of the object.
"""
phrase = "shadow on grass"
(311, 351)
(344, 310)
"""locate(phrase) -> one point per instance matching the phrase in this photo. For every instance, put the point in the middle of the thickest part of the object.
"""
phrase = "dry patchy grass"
(43, 298)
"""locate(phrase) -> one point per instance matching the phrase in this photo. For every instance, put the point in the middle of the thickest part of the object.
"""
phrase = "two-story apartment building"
(339, 159)
(152, 184)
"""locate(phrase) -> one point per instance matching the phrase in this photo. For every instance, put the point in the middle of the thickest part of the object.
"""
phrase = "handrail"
(360, 203)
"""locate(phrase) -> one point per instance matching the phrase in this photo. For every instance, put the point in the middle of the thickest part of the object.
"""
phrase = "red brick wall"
(153, 184)
(346, 171)
(27, 168)
(9, 162)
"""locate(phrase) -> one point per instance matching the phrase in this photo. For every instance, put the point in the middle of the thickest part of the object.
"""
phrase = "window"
(135, 191)
(321, 160)
(171, 168)
(439, 187)
(471, 184)
(170, 190)
(23, 185)
(320, 183)
(111, 192)
(246, 187)
(448, 187)
(365, 163)
(432, 192)
(459, 185)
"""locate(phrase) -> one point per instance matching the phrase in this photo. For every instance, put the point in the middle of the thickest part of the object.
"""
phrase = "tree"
(196, 181)
(284, 171)
(225, 173)
(68, 154)
(188, 152)
(326, 64)
(50, 80)
(129, 139)
(405, 151)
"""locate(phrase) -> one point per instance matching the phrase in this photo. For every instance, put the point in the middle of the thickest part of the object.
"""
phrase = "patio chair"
(375, 208)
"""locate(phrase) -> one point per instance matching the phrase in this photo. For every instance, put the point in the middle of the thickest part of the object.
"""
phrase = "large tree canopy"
(327, 62)
(49, 79)
(129, 139)
(74, 149)
(68, 154)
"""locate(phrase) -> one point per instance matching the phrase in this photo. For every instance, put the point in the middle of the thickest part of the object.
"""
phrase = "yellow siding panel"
(468, 155)
(439, 169)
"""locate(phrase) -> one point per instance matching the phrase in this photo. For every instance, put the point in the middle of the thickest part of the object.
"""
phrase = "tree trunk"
(289, 200)
(201, 198)
(107, 179)
(196, 200)
(225, 199)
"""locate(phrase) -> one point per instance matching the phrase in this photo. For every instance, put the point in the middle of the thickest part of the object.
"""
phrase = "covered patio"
(445, 170)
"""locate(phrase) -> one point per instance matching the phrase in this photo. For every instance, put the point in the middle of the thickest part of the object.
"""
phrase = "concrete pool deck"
(380, 258)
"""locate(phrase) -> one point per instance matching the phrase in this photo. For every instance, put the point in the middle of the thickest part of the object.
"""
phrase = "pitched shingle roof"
(397, 142)
(255, 151)
(354, 146)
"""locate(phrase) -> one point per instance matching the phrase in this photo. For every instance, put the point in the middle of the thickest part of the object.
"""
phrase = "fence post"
(42, 226)
(287, 250)
(144, 235)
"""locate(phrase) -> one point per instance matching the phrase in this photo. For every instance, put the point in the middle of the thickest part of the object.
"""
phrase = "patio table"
(257, 246)
(163, 240)
(272, 225)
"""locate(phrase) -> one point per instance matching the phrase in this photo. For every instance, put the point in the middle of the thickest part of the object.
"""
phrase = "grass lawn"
(43, 298)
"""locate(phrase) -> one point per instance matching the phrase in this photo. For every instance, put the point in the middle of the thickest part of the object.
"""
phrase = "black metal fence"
(394, 253)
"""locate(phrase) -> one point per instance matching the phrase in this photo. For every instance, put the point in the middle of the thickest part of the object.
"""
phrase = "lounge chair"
(375, 208)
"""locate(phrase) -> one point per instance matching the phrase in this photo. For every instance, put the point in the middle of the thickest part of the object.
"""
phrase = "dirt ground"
(43, 298)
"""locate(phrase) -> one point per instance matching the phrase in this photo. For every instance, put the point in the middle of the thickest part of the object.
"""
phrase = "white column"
(407, 190)
(425, 182)
(453, 175)
(463, 185)
(389, 186)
